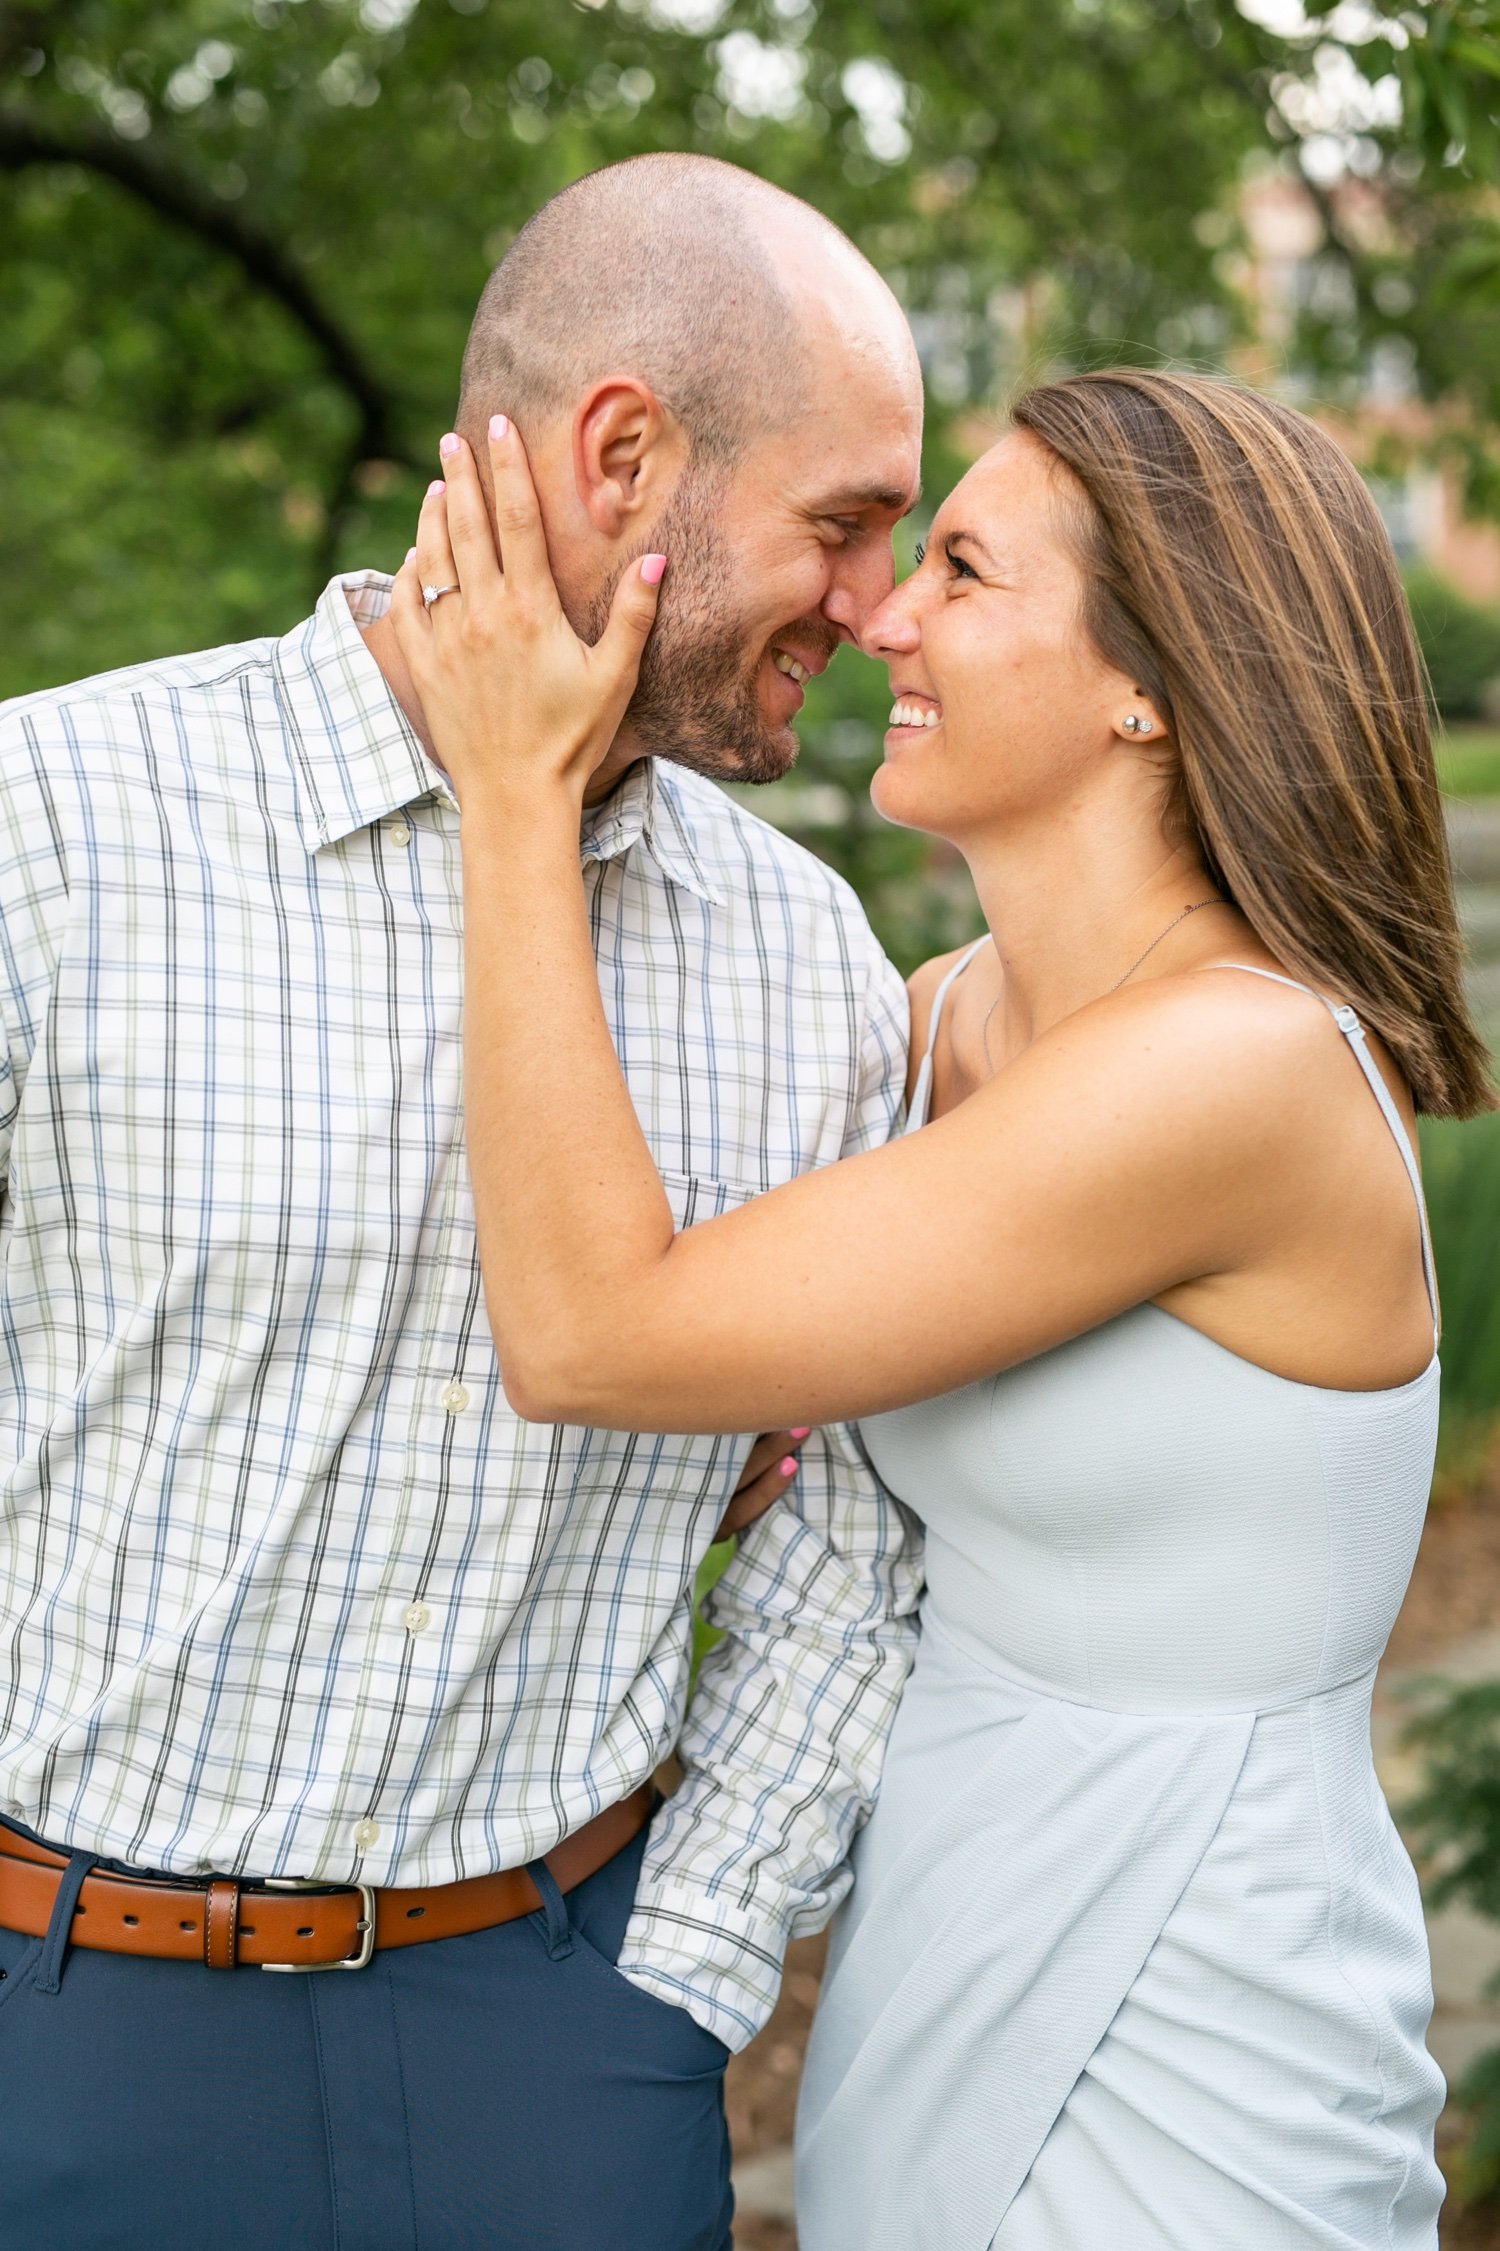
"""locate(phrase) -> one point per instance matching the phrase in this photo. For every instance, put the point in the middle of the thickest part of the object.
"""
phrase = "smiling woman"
(1142, 1324)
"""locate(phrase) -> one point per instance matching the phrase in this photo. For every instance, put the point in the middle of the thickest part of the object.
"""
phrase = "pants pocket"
(18, 1960)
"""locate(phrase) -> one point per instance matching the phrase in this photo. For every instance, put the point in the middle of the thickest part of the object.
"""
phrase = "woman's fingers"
(751, 1502)
(766, 1477)
(769, 1448)
(466, 524)
(631, 617)
(408, 615)
(518, 516)
(471, 646)
(436, 563)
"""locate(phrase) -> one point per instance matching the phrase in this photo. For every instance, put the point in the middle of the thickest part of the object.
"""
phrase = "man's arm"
(783, 1747)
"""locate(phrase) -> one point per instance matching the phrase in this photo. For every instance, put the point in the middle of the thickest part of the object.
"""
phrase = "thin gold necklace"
(1195, 908)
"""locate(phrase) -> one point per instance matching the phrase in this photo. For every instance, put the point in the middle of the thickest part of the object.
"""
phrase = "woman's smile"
(913, 713)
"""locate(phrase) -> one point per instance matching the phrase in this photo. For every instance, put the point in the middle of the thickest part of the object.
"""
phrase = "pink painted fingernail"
(499, 424)
(448, 446)
(435, 488)
(788, 1468)
(652, 567)
(799, 1435)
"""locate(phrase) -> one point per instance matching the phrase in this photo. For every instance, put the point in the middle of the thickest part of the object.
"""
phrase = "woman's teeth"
(915, 715)
(790, 666)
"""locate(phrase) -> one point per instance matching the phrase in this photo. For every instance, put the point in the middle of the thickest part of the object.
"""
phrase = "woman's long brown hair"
(1238, 570)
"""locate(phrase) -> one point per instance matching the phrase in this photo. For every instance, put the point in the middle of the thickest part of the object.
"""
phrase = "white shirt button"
(399, 833)
(416, 1617)
(366, 1833)
(455, 1397)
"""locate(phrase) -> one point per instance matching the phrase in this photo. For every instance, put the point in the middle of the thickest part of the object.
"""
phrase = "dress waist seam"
(1034, 1693)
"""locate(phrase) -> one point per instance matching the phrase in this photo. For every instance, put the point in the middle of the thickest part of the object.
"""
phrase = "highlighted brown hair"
(1238, 570)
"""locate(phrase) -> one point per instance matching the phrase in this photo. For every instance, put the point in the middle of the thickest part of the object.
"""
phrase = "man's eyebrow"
(892, 497)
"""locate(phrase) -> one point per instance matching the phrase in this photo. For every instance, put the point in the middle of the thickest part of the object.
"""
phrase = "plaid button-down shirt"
(285, 1587)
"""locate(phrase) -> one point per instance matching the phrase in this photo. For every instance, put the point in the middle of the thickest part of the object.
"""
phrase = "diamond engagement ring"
(431, 594)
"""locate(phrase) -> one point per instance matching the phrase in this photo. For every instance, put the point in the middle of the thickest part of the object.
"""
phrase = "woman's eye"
(958, 566)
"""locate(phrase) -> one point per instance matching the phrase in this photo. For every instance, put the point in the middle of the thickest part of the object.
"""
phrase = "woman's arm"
(1087, 1178)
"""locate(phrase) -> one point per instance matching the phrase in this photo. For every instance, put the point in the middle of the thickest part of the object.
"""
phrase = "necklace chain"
(1195, 908)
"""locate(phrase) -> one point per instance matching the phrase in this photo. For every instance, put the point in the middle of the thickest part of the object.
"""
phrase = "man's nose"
(860, 585)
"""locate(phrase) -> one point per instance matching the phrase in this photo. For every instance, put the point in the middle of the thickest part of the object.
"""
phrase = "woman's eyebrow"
(968, 539)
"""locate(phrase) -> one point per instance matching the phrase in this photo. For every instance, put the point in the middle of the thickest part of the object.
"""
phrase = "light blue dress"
(1134, 1959)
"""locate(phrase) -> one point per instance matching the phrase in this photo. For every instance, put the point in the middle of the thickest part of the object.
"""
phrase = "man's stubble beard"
(697, 701)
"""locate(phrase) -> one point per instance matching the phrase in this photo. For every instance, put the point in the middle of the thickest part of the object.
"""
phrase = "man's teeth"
(915, 715)
(790, 666)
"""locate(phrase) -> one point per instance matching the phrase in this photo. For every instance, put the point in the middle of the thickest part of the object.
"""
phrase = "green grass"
(1468, 761)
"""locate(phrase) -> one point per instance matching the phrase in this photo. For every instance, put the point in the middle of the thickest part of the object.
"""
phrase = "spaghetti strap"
(921, 1098)
(1354, 1032)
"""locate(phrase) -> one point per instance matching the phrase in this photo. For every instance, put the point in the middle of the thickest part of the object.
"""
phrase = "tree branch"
(174, 196)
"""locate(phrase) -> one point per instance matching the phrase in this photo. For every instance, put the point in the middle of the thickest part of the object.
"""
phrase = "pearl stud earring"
(1135, 726)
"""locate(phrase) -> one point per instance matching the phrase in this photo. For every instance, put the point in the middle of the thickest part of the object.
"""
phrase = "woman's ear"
(628, 452)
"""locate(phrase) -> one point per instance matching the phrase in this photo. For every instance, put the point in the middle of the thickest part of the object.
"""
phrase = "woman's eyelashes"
(955, 561)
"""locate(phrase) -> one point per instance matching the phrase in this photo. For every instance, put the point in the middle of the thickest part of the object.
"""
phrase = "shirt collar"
(355, 755)
(645, 806)
(357, 759)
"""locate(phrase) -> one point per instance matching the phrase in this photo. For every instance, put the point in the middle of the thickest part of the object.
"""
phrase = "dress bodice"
(1144, 1521)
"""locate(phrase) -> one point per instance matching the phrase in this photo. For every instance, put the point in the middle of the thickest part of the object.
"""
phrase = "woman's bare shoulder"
(921, 991)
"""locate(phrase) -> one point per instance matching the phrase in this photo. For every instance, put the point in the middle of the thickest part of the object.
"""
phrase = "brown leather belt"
(275, 1925)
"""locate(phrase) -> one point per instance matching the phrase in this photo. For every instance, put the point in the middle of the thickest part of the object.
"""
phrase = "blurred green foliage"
(1468, 761)
(1425, 267)
(1460, 642)
(242, 240)
(1461, 1173)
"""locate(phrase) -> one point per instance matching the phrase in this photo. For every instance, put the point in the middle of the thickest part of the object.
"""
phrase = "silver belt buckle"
(365, 1925)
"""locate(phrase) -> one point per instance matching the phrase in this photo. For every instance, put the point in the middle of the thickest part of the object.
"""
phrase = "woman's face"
(1004, 710)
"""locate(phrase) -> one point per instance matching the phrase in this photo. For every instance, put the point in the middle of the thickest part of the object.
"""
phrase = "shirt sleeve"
(783, 1745)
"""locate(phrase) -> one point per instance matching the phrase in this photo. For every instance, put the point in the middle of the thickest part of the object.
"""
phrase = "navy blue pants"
(504, 2092)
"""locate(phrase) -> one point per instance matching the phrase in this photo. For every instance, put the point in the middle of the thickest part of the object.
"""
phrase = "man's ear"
(628, 452)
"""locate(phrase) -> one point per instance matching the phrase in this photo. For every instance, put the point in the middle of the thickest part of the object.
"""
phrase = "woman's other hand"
(765, 1477)
(512, 698)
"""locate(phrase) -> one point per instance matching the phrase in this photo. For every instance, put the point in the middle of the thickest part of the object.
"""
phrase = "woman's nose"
(891, 629)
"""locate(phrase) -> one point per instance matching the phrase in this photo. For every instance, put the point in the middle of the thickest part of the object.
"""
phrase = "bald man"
(317, 1660)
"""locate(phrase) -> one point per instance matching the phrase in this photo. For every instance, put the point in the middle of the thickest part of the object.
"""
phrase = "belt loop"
(555, 1908)
(49, 1968)
(221, 1924)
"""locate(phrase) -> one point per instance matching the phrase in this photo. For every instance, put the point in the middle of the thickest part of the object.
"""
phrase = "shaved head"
(665, 268)
(704, 366)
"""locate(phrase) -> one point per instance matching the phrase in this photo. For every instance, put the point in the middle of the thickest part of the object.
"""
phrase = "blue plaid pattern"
(285, 1588)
